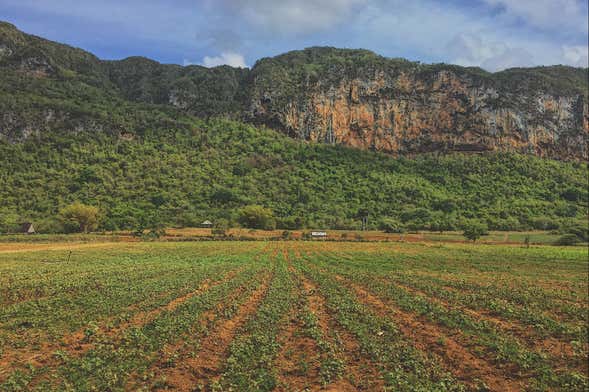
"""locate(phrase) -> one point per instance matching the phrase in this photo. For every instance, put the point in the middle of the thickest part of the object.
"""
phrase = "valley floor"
(292, 316)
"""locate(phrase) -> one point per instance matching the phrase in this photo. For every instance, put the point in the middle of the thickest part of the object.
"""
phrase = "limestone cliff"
(411, 108)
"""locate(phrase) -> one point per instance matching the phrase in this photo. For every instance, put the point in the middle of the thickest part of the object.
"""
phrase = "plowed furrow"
(297, 363)
(76, 344)
(562, 352)
(457, 359)
(206, 366)
(360, 372)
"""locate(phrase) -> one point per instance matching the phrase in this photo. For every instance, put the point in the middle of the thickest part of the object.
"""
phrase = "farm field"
(292, 316)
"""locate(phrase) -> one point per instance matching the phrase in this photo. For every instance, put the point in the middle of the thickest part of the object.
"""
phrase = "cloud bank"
(226, 58)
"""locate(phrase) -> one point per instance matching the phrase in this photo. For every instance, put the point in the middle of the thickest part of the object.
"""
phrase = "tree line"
(198, 170)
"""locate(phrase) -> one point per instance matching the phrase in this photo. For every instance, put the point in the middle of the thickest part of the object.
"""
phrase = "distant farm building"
(318, 234)
(27, 228)
(206, 223)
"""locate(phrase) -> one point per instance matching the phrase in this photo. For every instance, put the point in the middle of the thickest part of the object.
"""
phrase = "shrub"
(416, 214)
(156, 232)
(389, 225)
(473, 230)
(9, 222)
(49, 226)
(578, 229)
(257, 217)
(567, 240)
(544, 223)
(222, 224)
(218, 231)
(508, 224)
(289, 223)
(442, 224)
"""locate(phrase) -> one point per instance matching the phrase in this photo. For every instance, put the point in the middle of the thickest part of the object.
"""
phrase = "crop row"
(113, 357)
(528, 306)
(480, 335)
(404, 367)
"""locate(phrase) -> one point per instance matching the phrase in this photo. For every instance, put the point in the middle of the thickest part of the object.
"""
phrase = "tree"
(9, 222)
(290, 223)
(257, 217)
(80, 217)
(578, 229)
(389, 225)
(567, 240)
(473, 230)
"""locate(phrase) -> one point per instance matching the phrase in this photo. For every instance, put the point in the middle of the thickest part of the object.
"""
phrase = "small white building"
(206, 223)
(318, 234)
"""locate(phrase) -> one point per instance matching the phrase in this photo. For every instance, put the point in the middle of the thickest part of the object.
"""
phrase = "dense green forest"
(211, 169)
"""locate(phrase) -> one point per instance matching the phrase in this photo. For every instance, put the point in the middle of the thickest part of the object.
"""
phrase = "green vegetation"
(103, 133)
(474, 230)
(568, 239)
(293, 315)
(256, 217)
(79, 217)
(212, 169)
(389, 225)
(289, 72)
(441, 300)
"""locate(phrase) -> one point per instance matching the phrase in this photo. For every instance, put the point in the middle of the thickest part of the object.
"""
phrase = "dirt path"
(427, 337)
(19, 247)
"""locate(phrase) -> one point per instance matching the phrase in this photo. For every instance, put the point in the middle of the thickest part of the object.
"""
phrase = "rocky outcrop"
(327, 95)
(408, 111)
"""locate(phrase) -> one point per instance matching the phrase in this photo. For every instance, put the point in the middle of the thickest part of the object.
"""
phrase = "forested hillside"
(200, 170)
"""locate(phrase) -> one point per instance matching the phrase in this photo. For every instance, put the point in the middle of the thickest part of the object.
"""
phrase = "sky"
(492, 34)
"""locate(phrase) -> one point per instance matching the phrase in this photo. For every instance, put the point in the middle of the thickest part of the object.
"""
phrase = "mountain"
(153, 144)
(335, 96)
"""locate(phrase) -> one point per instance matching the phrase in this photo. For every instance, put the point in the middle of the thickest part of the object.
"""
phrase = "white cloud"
(293, 16)
(473, 50)
(226, 58)
(547, 14)
(428, 31)
(490, 33)
(576, 55)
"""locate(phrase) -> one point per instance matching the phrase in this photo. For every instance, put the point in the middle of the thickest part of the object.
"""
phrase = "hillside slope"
(181, 172)
(334, 96)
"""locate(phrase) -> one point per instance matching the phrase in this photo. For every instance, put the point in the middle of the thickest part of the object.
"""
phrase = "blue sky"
(493, 34)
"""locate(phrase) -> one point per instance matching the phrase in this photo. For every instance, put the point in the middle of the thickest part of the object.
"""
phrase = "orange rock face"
(407, 113)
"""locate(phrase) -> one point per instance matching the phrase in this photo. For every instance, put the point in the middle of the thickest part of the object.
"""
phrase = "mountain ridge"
(353, 97)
